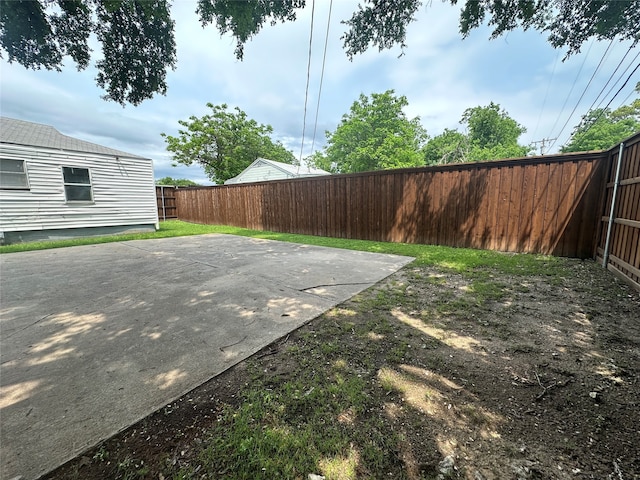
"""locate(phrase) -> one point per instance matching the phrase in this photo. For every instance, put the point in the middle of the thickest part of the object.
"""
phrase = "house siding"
(262, 172)
(123, 192)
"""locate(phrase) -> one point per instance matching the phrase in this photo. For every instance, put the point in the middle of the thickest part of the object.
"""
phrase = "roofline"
(84, 152)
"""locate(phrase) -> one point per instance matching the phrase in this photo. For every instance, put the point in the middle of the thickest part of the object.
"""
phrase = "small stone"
(445, 467)
(593, 395)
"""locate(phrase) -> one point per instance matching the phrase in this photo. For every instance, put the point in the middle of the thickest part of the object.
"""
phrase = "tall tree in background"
(375, 135)
(601, 128)
(491, 135)
(138, 46)
(225, 143)
(177, 182)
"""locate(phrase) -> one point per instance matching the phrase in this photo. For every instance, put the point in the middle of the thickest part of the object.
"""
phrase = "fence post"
(605, 256)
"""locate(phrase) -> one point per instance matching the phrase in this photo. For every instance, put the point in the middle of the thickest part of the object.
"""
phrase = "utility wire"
(571, 90)
(306, 93)
(324, 58)
(620, 78)
(583, 92)
(610, 101)
(546, 95)
(624, 102)
(611, 77)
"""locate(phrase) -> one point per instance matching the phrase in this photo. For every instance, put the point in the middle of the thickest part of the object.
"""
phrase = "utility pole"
(544, 142)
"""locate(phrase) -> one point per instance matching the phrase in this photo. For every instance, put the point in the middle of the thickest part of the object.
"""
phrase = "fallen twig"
(549, 387)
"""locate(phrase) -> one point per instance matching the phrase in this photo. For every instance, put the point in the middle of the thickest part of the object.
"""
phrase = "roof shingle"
(20, 132)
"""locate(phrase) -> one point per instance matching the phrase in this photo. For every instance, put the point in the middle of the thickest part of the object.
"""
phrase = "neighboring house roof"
(287, 170)
(20, 132)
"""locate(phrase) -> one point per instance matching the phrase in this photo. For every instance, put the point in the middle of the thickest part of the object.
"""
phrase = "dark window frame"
(75, 186)
(5, 172)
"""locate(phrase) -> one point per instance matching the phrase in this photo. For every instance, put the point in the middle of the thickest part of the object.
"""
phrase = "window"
(13, 174)
(77, 184)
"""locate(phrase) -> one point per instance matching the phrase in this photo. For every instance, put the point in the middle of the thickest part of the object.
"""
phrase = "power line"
(624, 102)
(324, 58)
(572, 87)
(583, 92)
(544, 102)
(618, 92)
(610, 101)
(620, 78)
(306, 93)
(611, 77)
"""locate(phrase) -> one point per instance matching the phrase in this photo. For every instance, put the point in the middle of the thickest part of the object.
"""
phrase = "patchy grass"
(483, 369)
(473, 262)
(473, 356)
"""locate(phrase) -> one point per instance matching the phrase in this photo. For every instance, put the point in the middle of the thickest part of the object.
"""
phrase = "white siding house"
(54, 186)
(263, 170)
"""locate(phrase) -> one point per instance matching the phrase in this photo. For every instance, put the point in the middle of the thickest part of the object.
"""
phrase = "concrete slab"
(94, 338)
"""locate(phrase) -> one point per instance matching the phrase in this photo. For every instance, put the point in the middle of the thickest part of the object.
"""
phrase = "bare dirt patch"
(474, 375)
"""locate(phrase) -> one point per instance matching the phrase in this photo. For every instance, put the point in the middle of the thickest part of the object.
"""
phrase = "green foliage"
(138, 46)
(491, 134)
(491, 126)
(569, 24)
(452, 259)
(381, 24)
(600, 129)
(177, 182)
(136, 37)
(245, 19)
(451, 146)
(374, 135)
(225, 143)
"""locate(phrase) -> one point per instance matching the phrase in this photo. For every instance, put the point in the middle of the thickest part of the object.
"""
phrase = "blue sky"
(440, 74)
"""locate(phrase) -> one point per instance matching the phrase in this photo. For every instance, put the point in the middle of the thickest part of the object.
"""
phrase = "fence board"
(166, 202)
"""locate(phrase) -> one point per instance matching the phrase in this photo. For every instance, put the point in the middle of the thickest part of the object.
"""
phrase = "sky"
(440, 73)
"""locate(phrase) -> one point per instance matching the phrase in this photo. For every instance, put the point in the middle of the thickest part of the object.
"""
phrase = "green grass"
(462, 260)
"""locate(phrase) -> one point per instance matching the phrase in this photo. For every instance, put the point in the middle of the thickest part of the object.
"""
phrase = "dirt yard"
(474, 375)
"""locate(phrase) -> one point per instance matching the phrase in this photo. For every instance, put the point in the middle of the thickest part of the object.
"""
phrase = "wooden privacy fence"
(556, 204)
(623, 253)
(166, 202)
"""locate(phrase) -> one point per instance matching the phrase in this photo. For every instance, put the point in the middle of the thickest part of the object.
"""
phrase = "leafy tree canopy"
(225, 142)
(374, 135)
(601, 128)
(491, 134)
(136, 37)
(177, 182)
(138, 46)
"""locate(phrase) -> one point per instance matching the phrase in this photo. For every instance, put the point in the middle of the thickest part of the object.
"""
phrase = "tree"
(601, 128)
(225, 143)
(491, 134)
(374, 135)
(136, 36)
(138, 44)
(177, 182)
(383, 23)
(451, 146)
